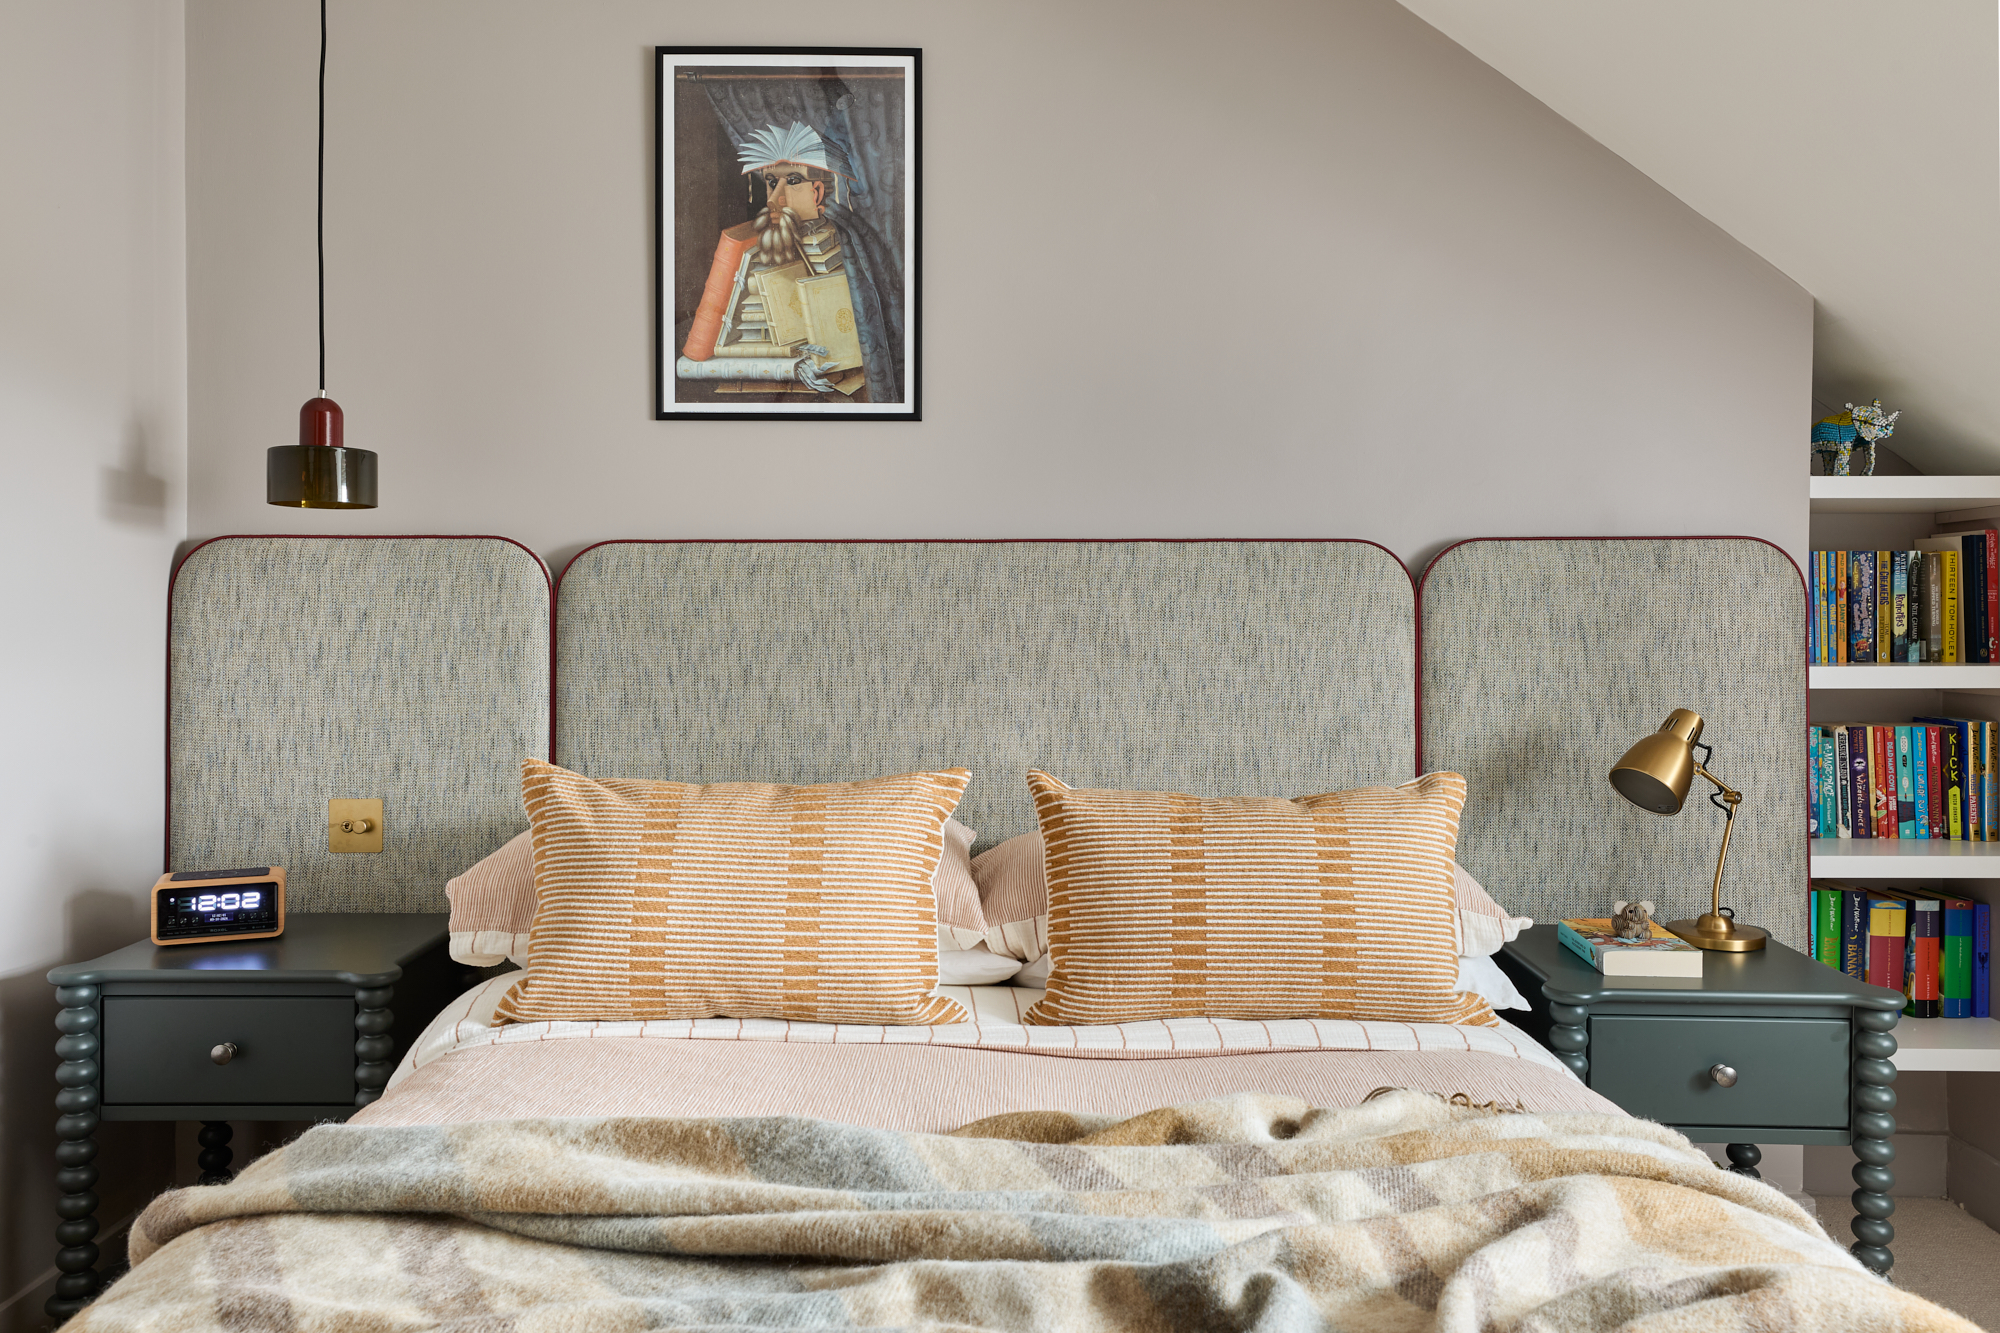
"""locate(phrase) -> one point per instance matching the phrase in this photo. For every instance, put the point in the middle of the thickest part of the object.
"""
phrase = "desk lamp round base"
(1719, 933)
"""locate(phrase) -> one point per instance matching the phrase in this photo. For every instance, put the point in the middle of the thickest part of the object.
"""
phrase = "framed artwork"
(788, 276)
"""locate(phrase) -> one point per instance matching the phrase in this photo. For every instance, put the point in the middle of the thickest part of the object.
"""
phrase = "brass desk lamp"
(1655, 775)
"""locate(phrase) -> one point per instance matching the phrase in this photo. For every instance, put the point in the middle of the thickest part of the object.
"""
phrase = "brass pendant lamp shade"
(320, 472)
(1655, 775)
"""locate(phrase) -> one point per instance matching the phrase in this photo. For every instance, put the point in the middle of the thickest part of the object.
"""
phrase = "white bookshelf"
(1931, 1044)
(1939, 496)
(1898, 858)
(1948, 1045)
(1961, 678)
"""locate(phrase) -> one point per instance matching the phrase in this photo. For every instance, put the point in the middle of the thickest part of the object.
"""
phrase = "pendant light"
(320, 472)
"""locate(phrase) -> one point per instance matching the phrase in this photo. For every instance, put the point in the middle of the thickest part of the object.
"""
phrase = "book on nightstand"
(1663, 955)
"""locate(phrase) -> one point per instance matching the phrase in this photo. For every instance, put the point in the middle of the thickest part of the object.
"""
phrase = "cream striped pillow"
(734, 900)
(1170, 906)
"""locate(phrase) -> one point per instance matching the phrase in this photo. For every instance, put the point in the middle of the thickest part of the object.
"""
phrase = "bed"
(991, 1172)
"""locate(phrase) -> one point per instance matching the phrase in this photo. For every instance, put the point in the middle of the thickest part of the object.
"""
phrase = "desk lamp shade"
(319, 472)
(1656, 773)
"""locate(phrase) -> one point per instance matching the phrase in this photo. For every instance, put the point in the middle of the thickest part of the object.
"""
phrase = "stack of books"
(1661, 955)
(1935, 949)
(1934, 777)
(1937, 603)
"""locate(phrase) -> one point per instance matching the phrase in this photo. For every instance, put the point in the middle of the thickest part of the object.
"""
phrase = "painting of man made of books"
(787, 235)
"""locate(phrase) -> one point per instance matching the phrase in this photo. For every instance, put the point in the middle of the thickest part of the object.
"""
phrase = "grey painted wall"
(1266, 268)
(93, 429)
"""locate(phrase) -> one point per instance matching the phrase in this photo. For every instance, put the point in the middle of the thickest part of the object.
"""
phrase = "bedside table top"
(1771, 975)
(353, 948)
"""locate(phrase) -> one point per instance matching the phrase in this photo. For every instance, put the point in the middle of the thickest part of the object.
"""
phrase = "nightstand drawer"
(1790, 1072)
(298, 1051)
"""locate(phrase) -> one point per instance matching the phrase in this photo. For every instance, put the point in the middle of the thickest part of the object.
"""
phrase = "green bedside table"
(1767, 1047)
(292, 1028)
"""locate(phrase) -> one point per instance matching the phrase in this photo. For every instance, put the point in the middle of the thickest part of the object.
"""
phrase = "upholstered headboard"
(300, 669)
(1272, 668)
(1544, 659)
(418, 670)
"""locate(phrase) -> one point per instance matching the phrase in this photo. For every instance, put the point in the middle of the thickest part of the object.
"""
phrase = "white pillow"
(972, 967)
(1476, 973)
(1482, 976)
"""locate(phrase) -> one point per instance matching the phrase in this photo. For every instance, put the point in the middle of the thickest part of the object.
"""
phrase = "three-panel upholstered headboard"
(421, 669)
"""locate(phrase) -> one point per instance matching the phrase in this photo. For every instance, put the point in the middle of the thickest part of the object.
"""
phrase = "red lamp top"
(320, 423)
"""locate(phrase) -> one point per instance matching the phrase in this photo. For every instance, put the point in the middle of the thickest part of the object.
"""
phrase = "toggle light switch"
(354, 826)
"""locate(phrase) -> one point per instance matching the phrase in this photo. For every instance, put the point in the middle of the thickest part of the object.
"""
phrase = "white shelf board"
(1896, 858)
(1952, 1044)
(1966, 679)
(1901, 495)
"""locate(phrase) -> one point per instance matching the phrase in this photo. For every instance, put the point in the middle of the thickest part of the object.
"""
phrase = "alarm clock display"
(202, 906)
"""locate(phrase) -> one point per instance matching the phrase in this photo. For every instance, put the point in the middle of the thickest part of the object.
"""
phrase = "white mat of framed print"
(787, 208)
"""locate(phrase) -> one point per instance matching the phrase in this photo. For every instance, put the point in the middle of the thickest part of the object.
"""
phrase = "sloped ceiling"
(1855, 144)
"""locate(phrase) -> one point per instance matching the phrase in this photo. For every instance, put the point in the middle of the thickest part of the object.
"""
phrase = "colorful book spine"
(1991, 783)
(1899, 606)
(1920, 780)
(1812, 782)
(1916, 563)
(1826, 927)
(1933, 607)
(1861, 606)
(1854, 933)
(1906, 787)
(1955, 960)
(1882, 779)
(1829, 787)
(1920, 986)
(1887, 924)
(1812, 610)
(1948, 577)
(1840, 606)
(1885, 599)
(1982, 961)
(1934, 741)
(1975, 817)
(1859, 817)
(1973, 593)
(1813, 897)
(1990, 541)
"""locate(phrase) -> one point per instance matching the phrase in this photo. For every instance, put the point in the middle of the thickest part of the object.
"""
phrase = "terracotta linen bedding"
(1250, 1212)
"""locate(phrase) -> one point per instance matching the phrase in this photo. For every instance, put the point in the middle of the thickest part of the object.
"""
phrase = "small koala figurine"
(1632, 921)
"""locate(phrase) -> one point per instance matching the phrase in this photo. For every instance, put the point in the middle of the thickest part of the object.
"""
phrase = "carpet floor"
(1943, 1254)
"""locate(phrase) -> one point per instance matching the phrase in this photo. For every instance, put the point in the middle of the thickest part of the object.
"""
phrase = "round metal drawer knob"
(1724, 1076)
(226, 1051)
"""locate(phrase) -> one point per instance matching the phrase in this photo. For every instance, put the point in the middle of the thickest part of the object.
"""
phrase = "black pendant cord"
(319, 219)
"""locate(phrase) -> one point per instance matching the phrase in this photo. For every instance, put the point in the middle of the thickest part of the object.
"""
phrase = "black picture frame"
(842, 272)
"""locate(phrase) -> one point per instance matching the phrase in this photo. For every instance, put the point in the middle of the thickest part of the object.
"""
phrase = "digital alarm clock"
(199, 906)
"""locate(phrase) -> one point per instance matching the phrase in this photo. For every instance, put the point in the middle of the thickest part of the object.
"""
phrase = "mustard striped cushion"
(734, 900)
(1170, 906)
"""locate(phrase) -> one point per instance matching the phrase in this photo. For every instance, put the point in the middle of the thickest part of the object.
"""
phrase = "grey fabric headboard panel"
(414, 669)
(1227, 668)
(1543, 660)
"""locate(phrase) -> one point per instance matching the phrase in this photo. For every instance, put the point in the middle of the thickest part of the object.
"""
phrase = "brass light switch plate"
(354, 826)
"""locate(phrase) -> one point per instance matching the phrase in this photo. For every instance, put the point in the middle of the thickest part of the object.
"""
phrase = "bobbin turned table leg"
(1569, 1037)
(1874, 1130)
(1743, 1159)
(373, 1045)
(77, 1101)
(215, 1155)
